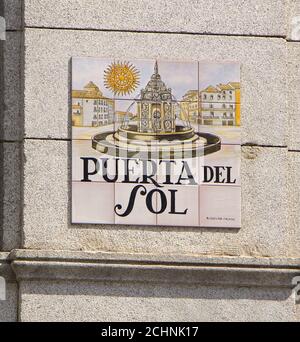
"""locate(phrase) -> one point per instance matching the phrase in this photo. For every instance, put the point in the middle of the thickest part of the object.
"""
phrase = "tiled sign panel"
(156, 142)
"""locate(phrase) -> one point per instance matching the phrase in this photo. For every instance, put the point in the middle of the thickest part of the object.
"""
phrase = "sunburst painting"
(122, 78)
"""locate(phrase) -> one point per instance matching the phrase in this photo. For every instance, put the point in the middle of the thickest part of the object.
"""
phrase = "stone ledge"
(175, 269)
(138, 258)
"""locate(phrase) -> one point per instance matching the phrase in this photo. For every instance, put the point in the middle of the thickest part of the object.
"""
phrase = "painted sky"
(179, 76)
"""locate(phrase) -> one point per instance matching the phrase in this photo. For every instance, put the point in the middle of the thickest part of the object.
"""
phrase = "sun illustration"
(121, 77)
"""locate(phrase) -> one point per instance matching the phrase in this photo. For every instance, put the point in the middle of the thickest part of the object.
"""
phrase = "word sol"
(150, 199)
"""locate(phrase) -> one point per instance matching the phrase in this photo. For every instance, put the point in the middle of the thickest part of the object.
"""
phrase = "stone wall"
(66, 272)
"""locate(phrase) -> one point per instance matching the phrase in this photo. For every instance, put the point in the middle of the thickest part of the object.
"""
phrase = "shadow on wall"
(1, 191)
(1, 130)
(154, 290)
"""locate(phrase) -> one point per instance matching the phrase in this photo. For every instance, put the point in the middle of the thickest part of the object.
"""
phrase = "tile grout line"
(70, 140)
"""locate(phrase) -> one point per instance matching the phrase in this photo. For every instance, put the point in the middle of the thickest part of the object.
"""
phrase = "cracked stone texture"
(129, 302)
(10, 192)
(12, 11)
(47, 210)
(11, 128)
(293, 95)
(293, 17)
(48, 66)
(251, 17)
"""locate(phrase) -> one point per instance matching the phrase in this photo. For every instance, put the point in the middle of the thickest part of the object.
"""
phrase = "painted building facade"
(190, 106)
(90, 108)
(220, 105)
(215, 105)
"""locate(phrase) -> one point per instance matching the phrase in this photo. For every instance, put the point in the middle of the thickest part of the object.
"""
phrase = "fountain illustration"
(161, 129)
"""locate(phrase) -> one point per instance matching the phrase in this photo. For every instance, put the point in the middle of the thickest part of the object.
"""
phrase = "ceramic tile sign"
(156, 142)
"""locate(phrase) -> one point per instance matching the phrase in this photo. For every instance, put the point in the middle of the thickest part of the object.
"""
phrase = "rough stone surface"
(47, 210)
(10, 192)
(11, 128)
(294, 198)
(293, 95)
(252, 17)
(48, 68)
(293, 17)
(84, 301)
(12, 11)
(8, 308)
